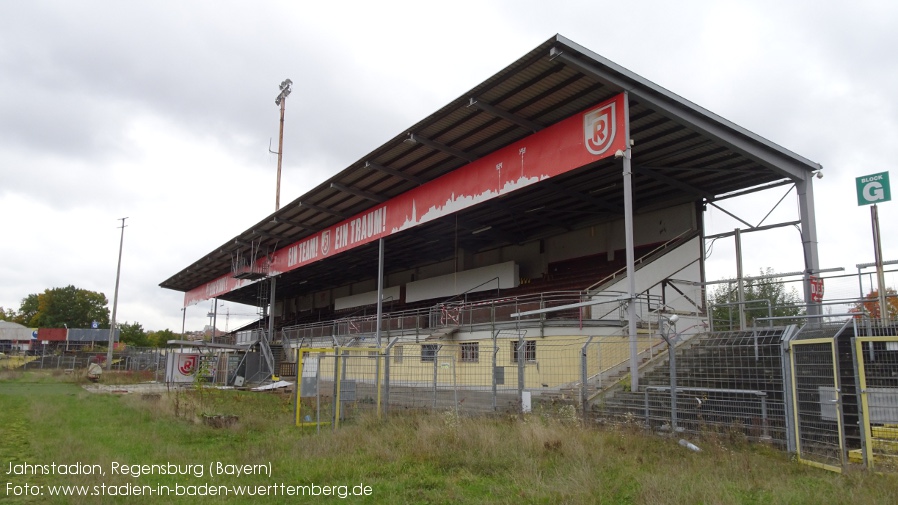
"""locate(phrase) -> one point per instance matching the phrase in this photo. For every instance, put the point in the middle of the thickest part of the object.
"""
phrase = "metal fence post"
(454, 385)
(336, 419)
(788, 396)
(495, 352)
(435, 359)
(857, 354)
(584, 375)
(318, 393)
(542, 316)
(646, 395)
(521, 369)
(765, 434)
(387, 352)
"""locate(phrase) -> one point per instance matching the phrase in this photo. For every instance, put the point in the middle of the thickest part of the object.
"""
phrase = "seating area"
(569, 276)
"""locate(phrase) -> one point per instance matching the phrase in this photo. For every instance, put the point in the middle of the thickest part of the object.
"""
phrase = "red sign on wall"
(579, 140)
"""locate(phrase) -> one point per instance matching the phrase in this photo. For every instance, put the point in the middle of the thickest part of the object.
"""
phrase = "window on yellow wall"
(470, 352)
(429, 352)
(397, 354)
(529, 350)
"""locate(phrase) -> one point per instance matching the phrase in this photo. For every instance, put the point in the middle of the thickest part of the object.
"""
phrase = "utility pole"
(282, 101)
(118, 274)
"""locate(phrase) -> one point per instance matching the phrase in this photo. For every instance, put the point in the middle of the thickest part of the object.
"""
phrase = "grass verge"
(413, 458)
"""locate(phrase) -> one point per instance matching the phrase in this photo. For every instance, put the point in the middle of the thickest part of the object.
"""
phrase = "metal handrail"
(638, 261)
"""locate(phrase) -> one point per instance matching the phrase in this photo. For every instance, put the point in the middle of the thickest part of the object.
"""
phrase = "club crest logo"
(325, 242)
(188, 364)
(599, 128)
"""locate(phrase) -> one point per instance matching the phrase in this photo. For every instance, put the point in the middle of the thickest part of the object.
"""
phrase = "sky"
(163, 112)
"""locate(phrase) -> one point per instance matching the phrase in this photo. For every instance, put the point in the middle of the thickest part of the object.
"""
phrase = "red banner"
(584, 138)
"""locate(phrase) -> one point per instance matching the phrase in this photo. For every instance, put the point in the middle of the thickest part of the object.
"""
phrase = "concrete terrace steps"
(715, 361)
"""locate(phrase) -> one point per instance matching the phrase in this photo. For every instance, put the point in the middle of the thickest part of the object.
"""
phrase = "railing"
(286, 369)
(478, 315)
(642, 259)
(499, 310)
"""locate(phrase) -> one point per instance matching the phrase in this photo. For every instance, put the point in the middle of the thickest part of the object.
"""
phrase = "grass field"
(416, 458)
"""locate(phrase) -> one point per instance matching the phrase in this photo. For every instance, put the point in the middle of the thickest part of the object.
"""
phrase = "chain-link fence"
(718, 382)
(766, 295)
(508, 373)
(134, 359)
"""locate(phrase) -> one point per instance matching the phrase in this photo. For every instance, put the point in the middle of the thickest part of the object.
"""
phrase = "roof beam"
(782, 161)
(458, 153)
(478, 228)
(392, 171)
(534, 215)
(598, 202)
(359, 193)
(280, 220)
(322, 210)
(262, 233)
(654, 173)
(508, 116)
(753, 190)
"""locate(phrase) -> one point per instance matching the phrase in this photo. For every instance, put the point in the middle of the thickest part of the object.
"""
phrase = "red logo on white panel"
(599, 128)
(188, 364)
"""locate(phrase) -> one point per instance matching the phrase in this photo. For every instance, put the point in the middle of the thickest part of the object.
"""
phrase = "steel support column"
(273, 281)
(805, 189)
(380, 289)
(631, 256)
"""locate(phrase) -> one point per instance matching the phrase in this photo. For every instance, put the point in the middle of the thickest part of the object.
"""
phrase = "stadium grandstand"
(559, 200)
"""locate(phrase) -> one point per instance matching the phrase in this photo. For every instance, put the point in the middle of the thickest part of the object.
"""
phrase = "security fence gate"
(876, 359)
(818, 414)
(845, 394)
(336, 382)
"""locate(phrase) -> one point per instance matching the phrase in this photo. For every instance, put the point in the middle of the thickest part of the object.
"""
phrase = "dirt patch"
(146, 388)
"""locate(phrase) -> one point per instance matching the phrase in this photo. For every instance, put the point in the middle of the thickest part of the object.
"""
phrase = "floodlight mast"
(286, 88)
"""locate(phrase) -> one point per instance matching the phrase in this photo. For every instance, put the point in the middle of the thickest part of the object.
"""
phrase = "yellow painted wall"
(557, 362)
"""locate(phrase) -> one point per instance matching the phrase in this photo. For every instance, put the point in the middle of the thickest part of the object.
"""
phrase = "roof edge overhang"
(684, 112)
(615, 78)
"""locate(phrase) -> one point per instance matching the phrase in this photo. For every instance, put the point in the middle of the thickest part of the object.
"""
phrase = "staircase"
(265, 348)
(717, 374)
(282, 366)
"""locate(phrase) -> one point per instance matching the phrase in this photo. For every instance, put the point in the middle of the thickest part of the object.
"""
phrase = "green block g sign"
(873, 189)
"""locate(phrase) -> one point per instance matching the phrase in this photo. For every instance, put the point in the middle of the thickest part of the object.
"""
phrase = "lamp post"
(211, 316)
(281, 100)
(227, 315)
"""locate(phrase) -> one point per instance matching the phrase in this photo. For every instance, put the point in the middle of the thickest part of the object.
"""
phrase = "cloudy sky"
(163, 111)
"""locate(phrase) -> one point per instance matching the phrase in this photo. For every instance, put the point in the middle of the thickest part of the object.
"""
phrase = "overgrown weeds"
(416, 457)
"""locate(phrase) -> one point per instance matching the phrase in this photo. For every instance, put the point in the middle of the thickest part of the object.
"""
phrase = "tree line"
(71, 307)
